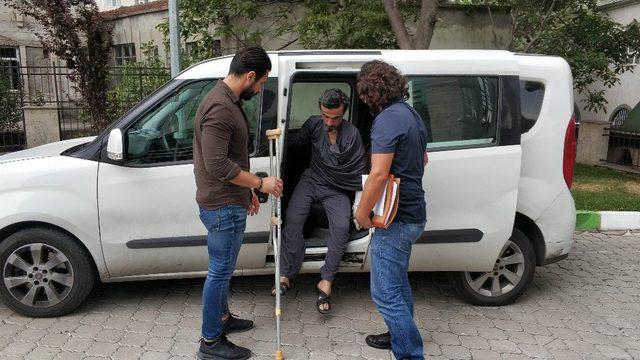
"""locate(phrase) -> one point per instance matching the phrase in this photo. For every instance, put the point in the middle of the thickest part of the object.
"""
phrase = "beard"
(331, 128)
(248, 93)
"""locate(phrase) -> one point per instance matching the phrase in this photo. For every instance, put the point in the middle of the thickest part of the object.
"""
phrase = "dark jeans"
(390, 289)
(338, 208)
(226, 231)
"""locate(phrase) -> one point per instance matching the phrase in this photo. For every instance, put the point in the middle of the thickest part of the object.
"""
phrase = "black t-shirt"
(399, 129)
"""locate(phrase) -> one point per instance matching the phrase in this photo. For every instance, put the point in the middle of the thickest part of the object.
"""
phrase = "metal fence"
(55, 87)
(624, 140)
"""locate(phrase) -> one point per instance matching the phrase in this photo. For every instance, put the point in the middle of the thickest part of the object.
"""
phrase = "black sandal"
(284, 287)
(323, 298)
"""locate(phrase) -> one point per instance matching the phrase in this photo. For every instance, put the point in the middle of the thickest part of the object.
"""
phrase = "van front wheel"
(510, 277)
(45, 273)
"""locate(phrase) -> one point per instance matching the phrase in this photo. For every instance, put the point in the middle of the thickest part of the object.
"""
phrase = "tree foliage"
(75, 32)
(596, 47)
(353, 24)
(133, 81)
(10, 105)
(243, 22)
(366, 24)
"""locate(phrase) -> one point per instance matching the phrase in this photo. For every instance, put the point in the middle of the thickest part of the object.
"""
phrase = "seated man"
(337, 163)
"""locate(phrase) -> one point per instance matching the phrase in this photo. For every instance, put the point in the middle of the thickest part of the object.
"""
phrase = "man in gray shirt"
(337, 163)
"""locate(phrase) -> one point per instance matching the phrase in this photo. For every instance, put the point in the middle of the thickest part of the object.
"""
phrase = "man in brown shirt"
(224, 193)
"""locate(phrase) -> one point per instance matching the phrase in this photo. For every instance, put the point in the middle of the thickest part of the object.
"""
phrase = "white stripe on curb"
(619, 220)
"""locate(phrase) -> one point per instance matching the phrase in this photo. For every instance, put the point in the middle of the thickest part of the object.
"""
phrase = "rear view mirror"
(115, 149)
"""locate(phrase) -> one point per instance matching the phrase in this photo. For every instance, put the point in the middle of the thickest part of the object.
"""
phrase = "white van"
(501, 144)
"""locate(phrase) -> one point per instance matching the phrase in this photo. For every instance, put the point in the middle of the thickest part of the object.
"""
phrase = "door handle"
(262, 197)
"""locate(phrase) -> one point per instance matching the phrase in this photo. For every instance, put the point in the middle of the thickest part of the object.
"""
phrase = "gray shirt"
(339, 165)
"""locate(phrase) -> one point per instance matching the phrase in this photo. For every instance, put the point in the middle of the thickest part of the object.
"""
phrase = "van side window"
(531, 96)
(457, 110)
(304, 100)
(165, 134)
(269, 119)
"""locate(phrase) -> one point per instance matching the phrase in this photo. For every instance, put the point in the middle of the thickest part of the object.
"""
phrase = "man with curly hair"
(398, 147)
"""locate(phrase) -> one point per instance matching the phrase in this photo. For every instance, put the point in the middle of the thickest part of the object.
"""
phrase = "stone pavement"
(587, 306)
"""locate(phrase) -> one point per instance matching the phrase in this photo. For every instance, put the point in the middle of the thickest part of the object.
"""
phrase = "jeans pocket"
(210, 219)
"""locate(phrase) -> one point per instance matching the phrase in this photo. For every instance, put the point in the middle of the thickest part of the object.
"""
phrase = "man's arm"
(374, 187)
(216, 134)
(302, 136)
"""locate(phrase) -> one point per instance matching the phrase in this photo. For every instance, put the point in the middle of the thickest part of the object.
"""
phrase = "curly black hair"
(380, 84)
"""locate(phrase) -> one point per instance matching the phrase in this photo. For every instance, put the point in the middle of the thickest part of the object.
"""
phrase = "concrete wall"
(470, 28)
(625, 93)
(140, 29)
(41, 125)
(592, 145)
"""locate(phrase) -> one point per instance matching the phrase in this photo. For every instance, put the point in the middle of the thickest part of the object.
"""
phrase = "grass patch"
(600, 189)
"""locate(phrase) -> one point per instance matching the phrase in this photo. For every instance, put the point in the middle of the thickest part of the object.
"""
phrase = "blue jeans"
(226, 231)
(390, 289)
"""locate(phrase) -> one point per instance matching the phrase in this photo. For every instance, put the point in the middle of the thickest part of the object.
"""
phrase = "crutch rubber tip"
(279, 355)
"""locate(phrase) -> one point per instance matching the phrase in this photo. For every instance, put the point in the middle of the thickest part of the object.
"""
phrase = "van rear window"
(531, 96)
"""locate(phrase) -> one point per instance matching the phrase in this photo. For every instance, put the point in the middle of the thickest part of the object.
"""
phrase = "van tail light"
(569, 157)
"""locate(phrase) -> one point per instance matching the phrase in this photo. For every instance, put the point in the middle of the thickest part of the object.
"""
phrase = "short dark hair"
(380, 84)
(333, 98)
(252, 58)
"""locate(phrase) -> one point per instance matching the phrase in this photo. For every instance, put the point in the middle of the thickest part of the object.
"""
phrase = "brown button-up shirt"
(220, 149)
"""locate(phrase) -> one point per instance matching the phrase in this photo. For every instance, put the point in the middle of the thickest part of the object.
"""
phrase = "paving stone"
(17, 348)
(613, 351)
(585, 307)
(485, 355)
(42, 353)
(102, 349)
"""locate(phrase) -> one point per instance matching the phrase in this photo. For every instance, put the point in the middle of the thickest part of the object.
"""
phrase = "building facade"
(624, 96)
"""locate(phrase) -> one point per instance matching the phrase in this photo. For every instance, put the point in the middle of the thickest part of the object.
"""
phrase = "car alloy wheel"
(507, 273)
(38, 275)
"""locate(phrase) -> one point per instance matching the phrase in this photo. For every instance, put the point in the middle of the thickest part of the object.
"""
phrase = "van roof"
(218, 67)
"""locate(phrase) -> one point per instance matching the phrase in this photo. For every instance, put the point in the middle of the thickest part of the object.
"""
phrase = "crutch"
(274, 166)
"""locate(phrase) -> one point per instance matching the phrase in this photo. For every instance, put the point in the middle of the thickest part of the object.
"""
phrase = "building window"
(619, 116)
(125, 53)
(112, 3)
(10, 66)
(138, 2)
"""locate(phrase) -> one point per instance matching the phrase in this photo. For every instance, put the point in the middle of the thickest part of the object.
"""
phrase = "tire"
(512, 279)
(45, 273)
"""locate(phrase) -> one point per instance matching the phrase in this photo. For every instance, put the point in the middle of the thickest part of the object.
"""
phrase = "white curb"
(619, 220)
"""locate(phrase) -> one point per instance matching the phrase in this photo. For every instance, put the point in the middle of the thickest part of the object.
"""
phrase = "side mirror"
(115, 149)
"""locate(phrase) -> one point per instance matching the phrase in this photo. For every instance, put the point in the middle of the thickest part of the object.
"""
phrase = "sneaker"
(222, 349)
(382, 341)
(235, 324)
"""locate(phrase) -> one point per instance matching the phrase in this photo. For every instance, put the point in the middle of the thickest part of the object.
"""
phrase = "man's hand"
(362, 219)
(271, 185)
(255, 205)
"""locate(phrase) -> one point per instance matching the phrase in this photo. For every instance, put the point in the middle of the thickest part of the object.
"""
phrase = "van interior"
(305, 90)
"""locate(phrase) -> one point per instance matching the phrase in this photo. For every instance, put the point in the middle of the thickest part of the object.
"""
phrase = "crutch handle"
(273, 134)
